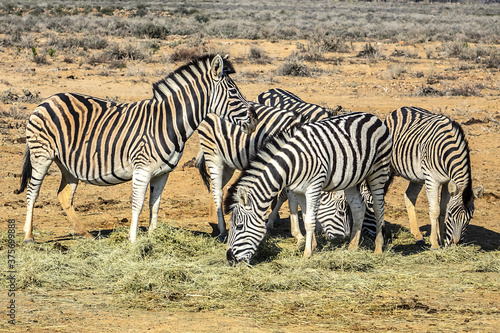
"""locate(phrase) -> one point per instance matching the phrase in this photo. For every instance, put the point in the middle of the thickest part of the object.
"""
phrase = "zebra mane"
(198, 62)
(468, 193)
(269, 148)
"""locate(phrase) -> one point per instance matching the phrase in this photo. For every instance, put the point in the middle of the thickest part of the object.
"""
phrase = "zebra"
(105, 143)
(225, 148)
(333, 213)
(431, 150)
(337, 153)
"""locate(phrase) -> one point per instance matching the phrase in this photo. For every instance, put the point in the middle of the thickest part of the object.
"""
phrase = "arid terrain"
(396, 74)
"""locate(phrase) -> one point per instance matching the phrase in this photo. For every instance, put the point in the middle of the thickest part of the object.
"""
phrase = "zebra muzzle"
(231, 258)
(253, 120)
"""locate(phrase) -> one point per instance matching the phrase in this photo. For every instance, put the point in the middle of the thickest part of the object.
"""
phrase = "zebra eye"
(239, 226)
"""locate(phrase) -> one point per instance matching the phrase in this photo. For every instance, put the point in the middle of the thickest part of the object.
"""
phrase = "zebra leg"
(377, 195)
(156, 187)
(411, 195)
(294, 215)
(219, 179)
(140, 182)
(358, 208)
(432, 189)
(443, 204)
(309, 205)
(39, 170)
(274, 216)
(65, 195)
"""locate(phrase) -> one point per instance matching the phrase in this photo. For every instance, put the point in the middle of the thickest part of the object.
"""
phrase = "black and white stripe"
(106, 143)
(335, 216)
(431, 150)
(334, 154)
(226, 148)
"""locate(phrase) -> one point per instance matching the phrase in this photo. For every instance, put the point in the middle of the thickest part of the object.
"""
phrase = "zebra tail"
(202, 168)
(391, 175)
(26, 174)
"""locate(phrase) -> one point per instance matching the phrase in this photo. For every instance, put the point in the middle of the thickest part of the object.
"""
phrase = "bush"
(370, 51)
(294, 67)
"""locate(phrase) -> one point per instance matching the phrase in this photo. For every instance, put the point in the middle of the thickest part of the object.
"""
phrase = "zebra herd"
(336, 167)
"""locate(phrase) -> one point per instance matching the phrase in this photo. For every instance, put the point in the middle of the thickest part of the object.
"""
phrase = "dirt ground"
(355, 83)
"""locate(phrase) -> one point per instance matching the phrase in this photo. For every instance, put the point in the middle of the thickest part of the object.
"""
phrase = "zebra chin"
(232, 260)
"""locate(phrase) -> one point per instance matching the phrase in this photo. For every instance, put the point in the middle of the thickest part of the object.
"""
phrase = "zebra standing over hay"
(334, 215)
(334, 154)
(431, 150)
(105, 143)
(225, 148)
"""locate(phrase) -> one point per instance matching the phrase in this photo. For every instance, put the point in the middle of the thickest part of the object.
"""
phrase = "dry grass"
(179, 269)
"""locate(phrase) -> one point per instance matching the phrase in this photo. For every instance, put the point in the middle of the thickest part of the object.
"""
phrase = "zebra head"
(459, 212)
(247, 228)
(226, 100)
(334, 215)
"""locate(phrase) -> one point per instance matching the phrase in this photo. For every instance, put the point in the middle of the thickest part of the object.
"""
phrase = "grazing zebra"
(225, 148)
(431, 150)
(105, 143)
(334, 154)
(333, 212)
(335, 216)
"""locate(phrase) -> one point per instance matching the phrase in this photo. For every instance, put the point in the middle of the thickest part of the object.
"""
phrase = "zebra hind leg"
(39, 169)
(357, 207)
(411, 195)
(156, 188)
(65, 195)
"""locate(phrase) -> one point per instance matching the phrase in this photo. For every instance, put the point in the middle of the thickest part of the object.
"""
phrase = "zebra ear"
(478, 192)
(452, 188)
(217, 66)
(242, 196)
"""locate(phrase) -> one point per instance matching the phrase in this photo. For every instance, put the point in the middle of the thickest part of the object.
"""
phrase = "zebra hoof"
(420, 242)
(29, 241)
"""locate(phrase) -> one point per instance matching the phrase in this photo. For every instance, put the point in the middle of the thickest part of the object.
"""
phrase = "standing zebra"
(225, 148)
(333, 213)
(431, 150)
(334, 154)
(105, 143)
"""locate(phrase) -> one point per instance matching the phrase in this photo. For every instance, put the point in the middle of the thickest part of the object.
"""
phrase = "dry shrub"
(258, 55)
(370, 51)
(464, 89)
(293, 66)
(186, 54)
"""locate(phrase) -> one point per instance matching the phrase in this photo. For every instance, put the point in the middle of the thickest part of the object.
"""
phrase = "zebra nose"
(231, 259)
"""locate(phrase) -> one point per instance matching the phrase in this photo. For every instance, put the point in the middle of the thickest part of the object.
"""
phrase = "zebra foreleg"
(140, 182)
(443, 204)
(309, 206)
(156, 187)
(293, 204)
(220, 177)
(358, 208)
(411, 195)
(432, 189)
(65, 195)
(274, 216)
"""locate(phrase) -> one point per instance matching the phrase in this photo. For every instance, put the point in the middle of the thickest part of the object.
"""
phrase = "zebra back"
(284, 99)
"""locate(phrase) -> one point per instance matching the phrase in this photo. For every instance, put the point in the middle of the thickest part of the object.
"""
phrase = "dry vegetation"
(365, 56)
